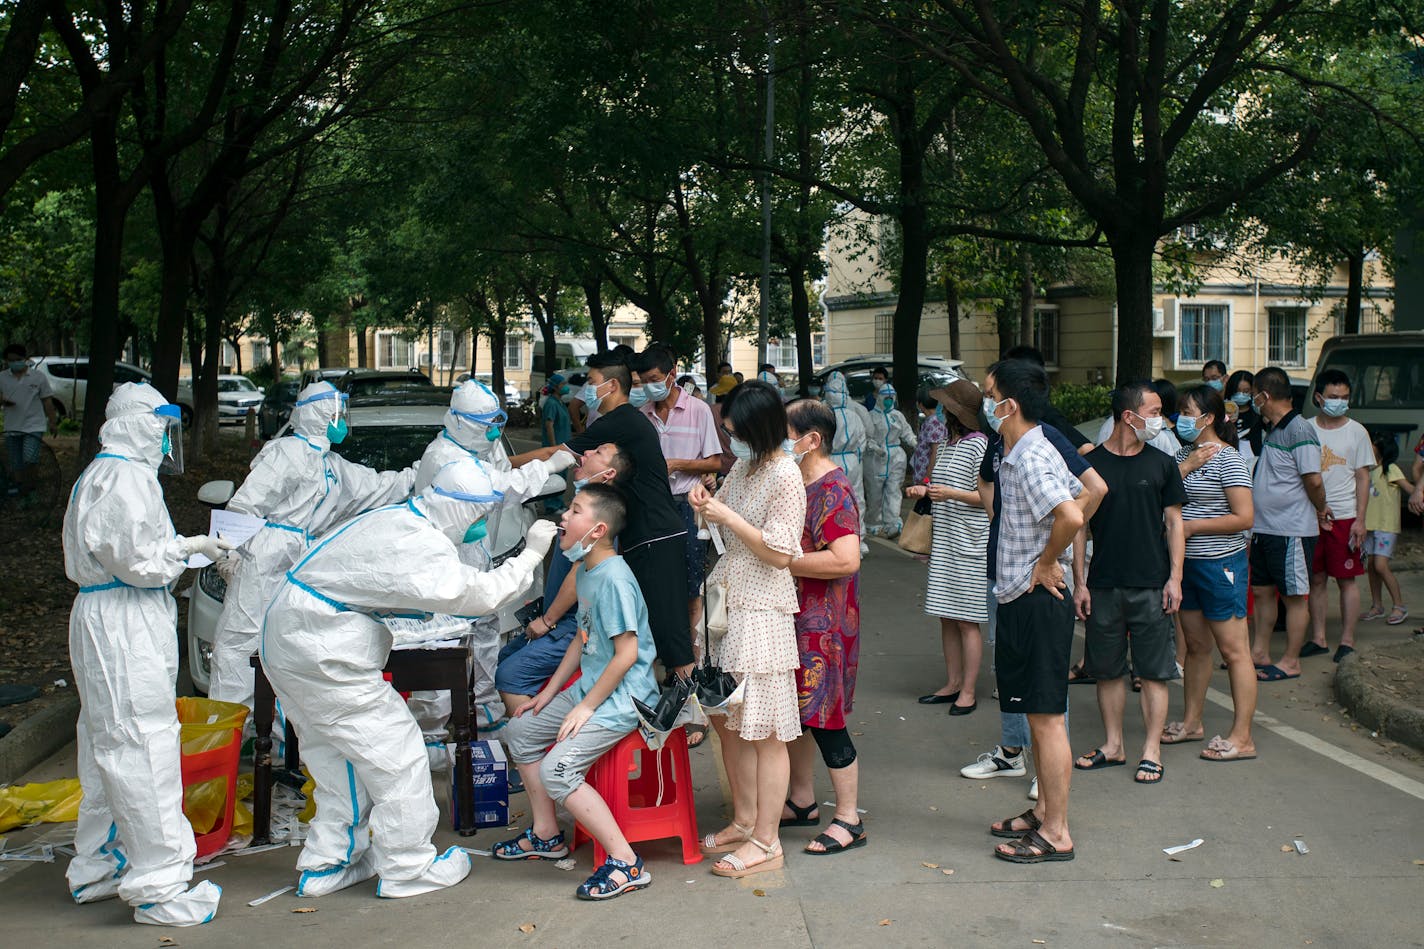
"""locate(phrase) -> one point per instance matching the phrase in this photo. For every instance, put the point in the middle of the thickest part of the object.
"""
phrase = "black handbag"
(714, 686)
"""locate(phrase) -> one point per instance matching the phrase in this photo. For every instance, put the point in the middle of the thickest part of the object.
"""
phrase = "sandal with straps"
(775, 860)
(710, 847)
(553, 848)
(830, 844)
(1002, 828)
(802, 815)
(1033, 848)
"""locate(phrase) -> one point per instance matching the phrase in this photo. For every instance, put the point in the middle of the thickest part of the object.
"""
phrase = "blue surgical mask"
(655, 391)
(888, 402)
(589, 396)
(1242, 399)
(1335, 407)
(989, 406)
(336, 431)
(167, 444)
(741, 449)
(579, 550)
(1187, 429)
(1216, 384)
(492, 433)
(637, 398)
(476, 532)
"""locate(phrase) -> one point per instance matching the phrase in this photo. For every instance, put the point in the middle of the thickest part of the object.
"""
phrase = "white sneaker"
(996, 764)
(1033, 790)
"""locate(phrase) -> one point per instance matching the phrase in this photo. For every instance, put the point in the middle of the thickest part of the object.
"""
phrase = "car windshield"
(858, 382)
(357, 388)
(286, 391)
(386, 447)
(1384, 377)
(236, 385)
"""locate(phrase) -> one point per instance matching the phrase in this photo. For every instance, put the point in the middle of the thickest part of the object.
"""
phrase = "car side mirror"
(216, 493)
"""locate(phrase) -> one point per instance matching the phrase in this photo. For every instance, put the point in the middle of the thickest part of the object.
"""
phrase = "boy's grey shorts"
(563, 767)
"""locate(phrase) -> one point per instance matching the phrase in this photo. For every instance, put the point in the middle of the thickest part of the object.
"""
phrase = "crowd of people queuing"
(1158, 536)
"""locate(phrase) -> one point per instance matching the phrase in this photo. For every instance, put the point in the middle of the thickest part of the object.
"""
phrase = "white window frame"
(1274, 354)
(514, 352)
(261, 352)
(883, 339)
(782, 352)
(1224, 355)
(1042, 310)
(397, 344)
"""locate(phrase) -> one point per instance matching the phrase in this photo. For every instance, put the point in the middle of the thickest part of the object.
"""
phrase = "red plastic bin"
(212, 745)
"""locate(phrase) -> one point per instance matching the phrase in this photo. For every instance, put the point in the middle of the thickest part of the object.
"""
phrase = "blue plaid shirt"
(1033, 480)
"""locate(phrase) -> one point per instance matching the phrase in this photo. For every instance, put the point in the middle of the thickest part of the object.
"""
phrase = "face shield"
(491, 422)
(172, 417)
(332, 405)
(475, 531)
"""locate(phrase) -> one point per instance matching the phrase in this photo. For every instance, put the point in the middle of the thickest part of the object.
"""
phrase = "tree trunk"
(205, 390)
(175, 284)
(195, 363)
(498, 331)
(110, 210)
(1025, 296)
(319, 324)
(593, 295)
(801, 319)
(1354, 289)
(236, 343)
(951, 312)
(361, 347)
(1132, 263)
(276, 357)
(914, 254)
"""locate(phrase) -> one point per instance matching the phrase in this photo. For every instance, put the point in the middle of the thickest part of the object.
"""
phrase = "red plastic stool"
(207, 766)
(635, 802)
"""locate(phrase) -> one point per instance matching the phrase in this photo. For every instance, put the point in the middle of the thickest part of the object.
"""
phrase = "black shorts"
(1032, 651)
(661, 571)
(696, 550)
(1282, 562)
(1118, 612)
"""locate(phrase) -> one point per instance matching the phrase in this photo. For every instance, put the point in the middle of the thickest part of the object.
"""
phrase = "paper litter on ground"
(1173, 851)
(270, 896)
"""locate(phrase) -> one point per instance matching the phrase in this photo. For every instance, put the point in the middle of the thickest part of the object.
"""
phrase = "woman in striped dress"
(955, 588)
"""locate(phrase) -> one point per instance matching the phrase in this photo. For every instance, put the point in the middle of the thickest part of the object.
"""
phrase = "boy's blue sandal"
(539, 849)
(600, 886)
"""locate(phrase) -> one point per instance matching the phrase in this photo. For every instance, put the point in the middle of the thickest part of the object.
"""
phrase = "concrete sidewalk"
(1355, 800)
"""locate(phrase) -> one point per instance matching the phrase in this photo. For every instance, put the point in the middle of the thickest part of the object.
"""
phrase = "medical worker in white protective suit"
(323, 648)
(885, 465)
(472, 431)
(848, 446)
(132, 840)
(302, 489)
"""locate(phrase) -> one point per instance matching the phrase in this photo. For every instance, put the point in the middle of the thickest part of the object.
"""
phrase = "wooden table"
(444, 669)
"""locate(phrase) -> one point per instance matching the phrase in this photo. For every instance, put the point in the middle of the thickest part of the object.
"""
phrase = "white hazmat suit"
(302, 489)
(132, 839)
(885, 465)
(472, 432)
(323, 648)
(848, 447)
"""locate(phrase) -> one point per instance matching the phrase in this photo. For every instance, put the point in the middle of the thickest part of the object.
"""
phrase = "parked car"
(384, 382)
(934, 371)
(277, 407)
(511, 391)
(69, 381)
(1386, 373)
(237, 395)
(389, 431)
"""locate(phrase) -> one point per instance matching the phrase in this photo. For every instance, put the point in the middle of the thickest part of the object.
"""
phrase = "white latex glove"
(561, 460)
(540, 538)
(214, 548)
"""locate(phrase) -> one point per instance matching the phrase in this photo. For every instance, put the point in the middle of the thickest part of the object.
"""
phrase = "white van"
(570, 354)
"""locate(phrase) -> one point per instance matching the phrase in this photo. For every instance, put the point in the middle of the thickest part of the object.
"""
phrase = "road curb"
(1360, 687)
(37, 737)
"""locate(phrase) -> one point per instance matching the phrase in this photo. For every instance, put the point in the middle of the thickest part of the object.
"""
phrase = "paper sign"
(717, 539)
(234, 527)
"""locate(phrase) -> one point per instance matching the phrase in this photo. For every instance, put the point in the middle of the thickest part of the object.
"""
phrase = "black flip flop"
(832, 845)
(1313, 649)
(1098, 760)
(803, 816)
(1151, 767)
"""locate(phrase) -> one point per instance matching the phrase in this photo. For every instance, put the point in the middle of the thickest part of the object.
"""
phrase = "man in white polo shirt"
(29, 413)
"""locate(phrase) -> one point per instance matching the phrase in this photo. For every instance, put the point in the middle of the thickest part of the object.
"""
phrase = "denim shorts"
(1216, 585)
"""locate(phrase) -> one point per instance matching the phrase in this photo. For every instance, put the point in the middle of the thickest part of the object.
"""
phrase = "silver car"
(387, 434)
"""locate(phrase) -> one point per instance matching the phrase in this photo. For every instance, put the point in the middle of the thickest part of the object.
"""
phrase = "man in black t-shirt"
(652, 542)
(1135, 578)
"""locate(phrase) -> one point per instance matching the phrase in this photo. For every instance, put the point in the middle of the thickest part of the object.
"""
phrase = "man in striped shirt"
(688, 435)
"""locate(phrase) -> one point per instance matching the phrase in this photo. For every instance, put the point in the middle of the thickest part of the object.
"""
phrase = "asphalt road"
(1356, 802)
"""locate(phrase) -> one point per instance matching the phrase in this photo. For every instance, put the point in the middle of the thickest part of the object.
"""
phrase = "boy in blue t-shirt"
(614, 652)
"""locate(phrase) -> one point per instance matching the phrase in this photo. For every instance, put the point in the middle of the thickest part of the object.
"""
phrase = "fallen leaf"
(167, 941)
(1419, 863)
(930, 866)
(883, 922)
(933, 808)
(527, 928)
(947, 872)
(1218, 883)
(758, 892)
(857, 734)
(516, 816)
(305, 909)
(1286, 848)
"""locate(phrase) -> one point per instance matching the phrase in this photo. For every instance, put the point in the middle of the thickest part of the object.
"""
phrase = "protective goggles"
(497, 417)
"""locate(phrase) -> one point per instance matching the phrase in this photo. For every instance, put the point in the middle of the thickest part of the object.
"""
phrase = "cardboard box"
(490, 770)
